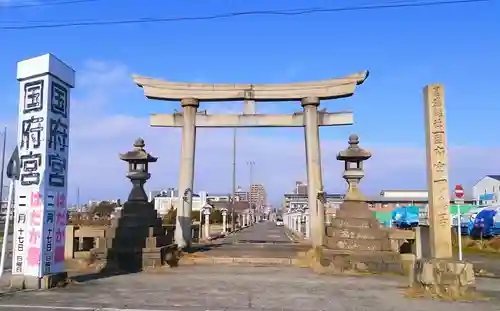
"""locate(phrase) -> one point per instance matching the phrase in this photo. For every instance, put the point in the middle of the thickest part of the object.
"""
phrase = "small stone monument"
(355, 240)
(136, 238)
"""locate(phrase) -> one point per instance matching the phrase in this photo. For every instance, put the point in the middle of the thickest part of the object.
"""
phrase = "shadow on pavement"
(98, 275)
(199, 248)
(252, 241)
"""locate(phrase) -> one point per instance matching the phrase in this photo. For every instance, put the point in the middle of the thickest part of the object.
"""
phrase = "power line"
(32, 4)
(289, 12)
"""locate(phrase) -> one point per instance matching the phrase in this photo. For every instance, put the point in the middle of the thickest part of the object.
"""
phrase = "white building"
(164, 204)
(166, 200)
(487, 190)
(407, 194)
(298, 202)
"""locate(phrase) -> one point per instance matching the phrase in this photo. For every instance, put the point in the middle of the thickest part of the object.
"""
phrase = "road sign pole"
(459, 231)
(459, 200)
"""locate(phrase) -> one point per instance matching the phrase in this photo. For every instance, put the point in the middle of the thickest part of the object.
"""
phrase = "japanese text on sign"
(33, 96)
(58, 137)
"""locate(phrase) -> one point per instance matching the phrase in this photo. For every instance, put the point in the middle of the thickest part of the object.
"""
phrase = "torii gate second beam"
(252, 120)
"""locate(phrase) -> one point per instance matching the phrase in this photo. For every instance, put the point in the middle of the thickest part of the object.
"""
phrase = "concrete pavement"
(195, 288)
(238, 288)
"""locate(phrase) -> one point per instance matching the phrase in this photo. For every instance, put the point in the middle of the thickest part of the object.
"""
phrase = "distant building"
(298, 202)
(258, 196)
(164, 204)
(487, 190)
(300, 187)
(219, 197)
(385, 202)
(3, 202)
(170, 192)
(410, 194)
(242, 195)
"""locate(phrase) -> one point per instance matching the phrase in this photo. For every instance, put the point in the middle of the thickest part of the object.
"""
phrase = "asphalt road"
(238, 288)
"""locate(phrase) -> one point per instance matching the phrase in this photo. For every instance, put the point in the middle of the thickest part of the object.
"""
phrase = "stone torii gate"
(308, 93)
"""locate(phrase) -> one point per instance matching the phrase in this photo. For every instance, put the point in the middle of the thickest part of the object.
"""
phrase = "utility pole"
(2, 171)
(250, 168)
(78, 200)
(233, 196)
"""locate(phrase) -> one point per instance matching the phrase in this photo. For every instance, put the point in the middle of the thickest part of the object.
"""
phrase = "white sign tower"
(43, 141)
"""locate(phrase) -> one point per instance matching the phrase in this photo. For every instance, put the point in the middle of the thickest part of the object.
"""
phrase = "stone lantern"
(354, 239)
(138, 160)
(353, 157)
(135, 239)
(207, 210)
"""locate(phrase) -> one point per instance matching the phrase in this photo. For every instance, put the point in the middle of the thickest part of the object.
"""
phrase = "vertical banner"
(43, 141)
(56, 176)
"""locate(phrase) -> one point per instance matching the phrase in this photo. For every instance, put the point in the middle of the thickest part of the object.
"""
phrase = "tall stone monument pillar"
(440, 275)
(186, 176)
(43, 142)
(437, 172)
(314, 178)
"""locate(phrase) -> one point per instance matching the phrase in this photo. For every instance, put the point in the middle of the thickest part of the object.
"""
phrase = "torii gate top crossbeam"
(325, 89)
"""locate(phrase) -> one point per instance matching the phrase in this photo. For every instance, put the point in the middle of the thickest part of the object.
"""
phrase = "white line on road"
(33, 307)
(47, 307)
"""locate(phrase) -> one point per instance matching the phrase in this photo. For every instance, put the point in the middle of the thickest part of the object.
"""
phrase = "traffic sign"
(459, 191)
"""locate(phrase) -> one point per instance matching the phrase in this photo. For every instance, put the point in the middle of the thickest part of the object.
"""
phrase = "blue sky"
(404, 49)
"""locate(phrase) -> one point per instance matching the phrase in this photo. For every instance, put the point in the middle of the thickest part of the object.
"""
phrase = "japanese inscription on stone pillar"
(437, 172)
(43, 139)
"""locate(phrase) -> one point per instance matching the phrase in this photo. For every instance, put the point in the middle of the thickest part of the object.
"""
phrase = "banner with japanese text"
(43, 140)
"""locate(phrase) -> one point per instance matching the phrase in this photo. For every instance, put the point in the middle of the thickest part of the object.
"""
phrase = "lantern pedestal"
(356, 242)
(136, 240)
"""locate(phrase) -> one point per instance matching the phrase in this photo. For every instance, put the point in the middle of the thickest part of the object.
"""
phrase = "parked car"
(486, 223)
(405, 217)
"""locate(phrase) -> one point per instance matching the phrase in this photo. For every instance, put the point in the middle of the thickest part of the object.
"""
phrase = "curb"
(241, 261)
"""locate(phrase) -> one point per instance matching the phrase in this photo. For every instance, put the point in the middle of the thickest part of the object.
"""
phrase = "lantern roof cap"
(353, 152)
(138, 153)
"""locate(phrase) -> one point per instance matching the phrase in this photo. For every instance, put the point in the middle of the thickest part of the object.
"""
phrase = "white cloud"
(99, 132)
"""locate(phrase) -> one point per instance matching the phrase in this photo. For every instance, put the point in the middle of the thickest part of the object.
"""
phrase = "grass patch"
(417, 293)
(485, 247)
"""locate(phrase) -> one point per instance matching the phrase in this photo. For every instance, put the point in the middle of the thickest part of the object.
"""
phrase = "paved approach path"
(196, 288)
(262, 232)
(262, 240)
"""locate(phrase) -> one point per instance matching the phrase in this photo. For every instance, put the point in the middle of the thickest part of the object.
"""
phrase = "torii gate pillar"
(186, 173)
(313, 164)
